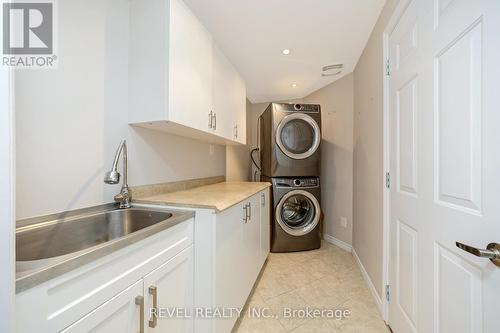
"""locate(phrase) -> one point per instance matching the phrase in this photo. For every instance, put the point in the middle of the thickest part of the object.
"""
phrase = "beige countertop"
(218, 196)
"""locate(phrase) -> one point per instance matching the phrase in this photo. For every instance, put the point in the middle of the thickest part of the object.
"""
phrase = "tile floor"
(327, 279)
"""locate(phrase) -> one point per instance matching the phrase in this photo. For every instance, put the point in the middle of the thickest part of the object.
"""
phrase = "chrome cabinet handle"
(263, 196)
(139, 300)
(491, 252)
(215, 121)
(249, 212)
(153, 321)
(235, 131)
(210, 117)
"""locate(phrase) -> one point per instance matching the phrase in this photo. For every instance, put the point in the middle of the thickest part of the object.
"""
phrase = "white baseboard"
(371, 287)
(335, 241)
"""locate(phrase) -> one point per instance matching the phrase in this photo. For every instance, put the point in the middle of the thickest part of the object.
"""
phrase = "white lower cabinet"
(210, 264)
(251, 240)
(119, 314)
(265, 224)
(239, 256)
(165, 296)
(168, 293)
(108, 295)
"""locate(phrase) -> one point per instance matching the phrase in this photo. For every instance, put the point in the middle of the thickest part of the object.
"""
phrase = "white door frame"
(7, 202)
(396, 15)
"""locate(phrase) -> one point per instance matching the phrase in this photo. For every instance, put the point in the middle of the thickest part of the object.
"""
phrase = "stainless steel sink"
(66, 235)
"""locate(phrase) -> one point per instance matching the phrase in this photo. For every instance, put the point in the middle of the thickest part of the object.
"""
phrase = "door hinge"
(388, 292)
(388, 67)
(387, 180)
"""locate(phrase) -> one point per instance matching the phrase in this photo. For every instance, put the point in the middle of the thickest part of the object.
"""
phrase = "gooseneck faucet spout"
(113, 176)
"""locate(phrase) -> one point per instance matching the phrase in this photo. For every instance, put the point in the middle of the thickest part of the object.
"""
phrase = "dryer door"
(298, 212)
(298, 136)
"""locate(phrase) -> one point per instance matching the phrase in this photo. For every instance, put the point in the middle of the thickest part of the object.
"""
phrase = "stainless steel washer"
(297, 213)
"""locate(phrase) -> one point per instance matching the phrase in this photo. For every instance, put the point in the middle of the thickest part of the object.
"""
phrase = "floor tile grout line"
(283, 266)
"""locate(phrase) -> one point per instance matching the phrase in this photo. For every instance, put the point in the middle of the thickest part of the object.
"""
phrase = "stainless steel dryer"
(296, 215)
(290, 137)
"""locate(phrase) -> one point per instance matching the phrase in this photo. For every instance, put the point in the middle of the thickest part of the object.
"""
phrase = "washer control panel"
(296, 182)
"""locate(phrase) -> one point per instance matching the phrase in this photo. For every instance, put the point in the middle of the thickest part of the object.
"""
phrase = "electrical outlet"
(343, 221)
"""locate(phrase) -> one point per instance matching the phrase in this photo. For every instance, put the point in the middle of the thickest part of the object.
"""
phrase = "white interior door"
(405, 192)
(444, 135)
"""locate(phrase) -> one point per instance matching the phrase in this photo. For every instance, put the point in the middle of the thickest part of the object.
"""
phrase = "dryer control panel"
(296, 182)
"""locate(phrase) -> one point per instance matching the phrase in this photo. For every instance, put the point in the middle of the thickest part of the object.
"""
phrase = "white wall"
(369, 153)
(254, 113)
(71, 119)
(336, 102)
(7, 202)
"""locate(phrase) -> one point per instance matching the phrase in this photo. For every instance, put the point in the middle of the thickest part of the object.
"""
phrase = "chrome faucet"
(113, 176)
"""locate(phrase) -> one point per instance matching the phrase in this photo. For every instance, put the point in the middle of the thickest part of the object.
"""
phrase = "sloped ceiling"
(253, 33)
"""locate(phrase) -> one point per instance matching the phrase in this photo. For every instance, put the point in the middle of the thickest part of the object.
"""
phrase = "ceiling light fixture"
(286, 51)
(294, 85)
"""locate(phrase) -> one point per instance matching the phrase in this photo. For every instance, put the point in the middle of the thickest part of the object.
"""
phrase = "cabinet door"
(229, 98)
(190, 68)
(265, 225)
(119, 314)
(168, 291)
(240, 110)
(230, 263)
(252, 241)
(222, 87)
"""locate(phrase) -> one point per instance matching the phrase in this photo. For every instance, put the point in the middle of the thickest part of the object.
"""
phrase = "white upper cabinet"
(240, 99)
(190, 79)
(229, 98)
(180, 82)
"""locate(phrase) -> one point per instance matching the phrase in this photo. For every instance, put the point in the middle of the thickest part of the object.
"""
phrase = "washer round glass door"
(298, 136)
(298, 212)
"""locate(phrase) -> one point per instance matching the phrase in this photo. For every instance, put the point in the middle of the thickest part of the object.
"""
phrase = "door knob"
(491, 252)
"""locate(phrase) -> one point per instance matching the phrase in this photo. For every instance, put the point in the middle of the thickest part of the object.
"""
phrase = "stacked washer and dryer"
(290, 137)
